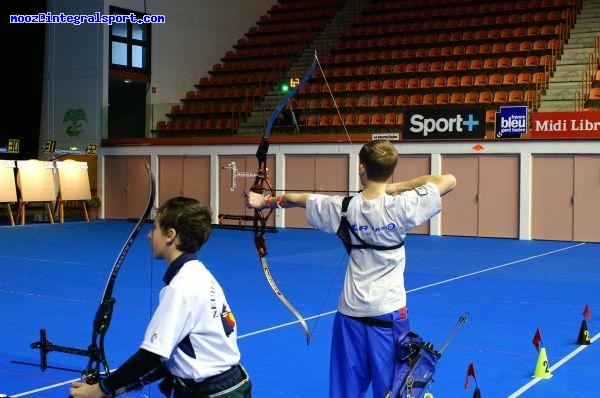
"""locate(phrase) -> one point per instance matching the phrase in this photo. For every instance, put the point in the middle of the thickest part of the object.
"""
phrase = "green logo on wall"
(75, 117)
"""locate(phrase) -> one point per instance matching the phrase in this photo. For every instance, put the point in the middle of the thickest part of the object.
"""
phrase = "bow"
(95, 351)
(263, 180)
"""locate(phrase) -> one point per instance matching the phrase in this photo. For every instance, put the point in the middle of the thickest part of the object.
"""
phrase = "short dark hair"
(379, 157)
(189, 218)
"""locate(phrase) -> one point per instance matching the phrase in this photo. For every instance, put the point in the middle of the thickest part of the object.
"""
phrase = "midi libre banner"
(569, 125)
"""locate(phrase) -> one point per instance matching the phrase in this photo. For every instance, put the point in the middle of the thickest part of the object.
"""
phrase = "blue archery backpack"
(415, 366)
(415, 363)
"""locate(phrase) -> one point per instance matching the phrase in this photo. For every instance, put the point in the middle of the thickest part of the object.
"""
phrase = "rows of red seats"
(395, 54)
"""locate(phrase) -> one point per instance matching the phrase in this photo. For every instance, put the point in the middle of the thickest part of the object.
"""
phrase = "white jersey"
(374, 281)
(193, 327)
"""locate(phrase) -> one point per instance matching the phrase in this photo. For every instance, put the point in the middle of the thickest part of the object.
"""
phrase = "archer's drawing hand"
(83, 390)
(254, 201)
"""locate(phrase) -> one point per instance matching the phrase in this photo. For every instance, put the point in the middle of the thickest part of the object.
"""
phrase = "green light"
(283, 84)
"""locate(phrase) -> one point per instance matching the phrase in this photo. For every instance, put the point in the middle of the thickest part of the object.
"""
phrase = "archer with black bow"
(191, 340)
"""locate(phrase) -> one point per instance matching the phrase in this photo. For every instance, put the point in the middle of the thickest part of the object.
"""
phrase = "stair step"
(554, 101)
(561, 95)
(565, 81)
(580, 59)
(577, 49)
(550, 106)
(569, 69)
(558, 108)
(588, 30)
(587, 22)
(572, 63)
(584, 42)
(558, 98)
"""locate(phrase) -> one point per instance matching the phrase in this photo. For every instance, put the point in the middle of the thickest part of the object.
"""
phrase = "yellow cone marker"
(542, 369)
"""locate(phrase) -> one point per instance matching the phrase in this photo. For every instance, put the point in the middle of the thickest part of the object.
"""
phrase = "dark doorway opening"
(127, 108)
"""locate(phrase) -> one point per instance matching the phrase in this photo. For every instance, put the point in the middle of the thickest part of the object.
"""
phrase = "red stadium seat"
(462, 64)
(414, 82)
(489, 63)
(363, 119)
(515, 97)
(436, 66)
(375, 101)
(377, 119)
(509, 78)
(416, 99)
(428, 99)
(387, 84)
(402, 100)
(466, 80)
(524, 78)
(442, 98)
(439, 81)
(495, 79)
(485, 97)
(390, 119)
(400, 83)
(325, 120)
(453, 81)
(500, 97)
(480, 80)
(476, 64)
(312, 120)
(389, 100)
(426, 82)
(457, 98)
(471, 98)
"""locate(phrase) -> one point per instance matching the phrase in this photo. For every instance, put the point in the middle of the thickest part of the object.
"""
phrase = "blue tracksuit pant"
(363, 354)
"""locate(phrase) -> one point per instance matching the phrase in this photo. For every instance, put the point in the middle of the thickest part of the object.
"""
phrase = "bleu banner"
(511, 122)
(443, 123)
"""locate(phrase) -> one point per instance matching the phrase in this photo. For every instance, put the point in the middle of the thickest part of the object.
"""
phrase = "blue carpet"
(53, 277)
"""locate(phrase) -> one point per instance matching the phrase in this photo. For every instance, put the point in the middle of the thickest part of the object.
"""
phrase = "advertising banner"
(570, 125)
(511, 122)
(443, 123)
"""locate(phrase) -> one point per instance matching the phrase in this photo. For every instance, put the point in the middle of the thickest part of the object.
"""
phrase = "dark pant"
(233, 383)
